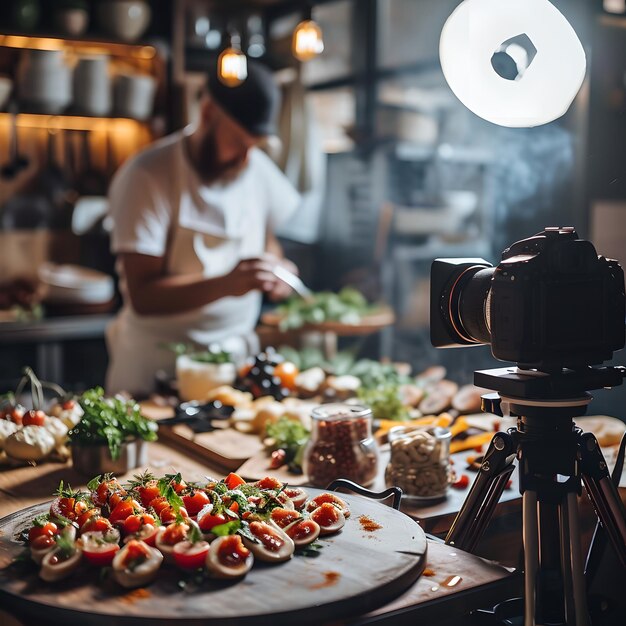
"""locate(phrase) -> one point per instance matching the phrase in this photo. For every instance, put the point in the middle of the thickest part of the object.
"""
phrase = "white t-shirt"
(160, 207)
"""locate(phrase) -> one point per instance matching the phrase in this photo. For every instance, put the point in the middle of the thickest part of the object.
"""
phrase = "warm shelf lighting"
(232, 67)
(72, 122)
(307, 40)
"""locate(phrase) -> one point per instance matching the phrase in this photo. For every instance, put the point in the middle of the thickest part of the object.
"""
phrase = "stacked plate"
(73, 284)
(44, 81)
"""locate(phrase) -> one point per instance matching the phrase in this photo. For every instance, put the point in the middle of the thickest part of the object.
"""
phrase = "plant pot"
(92, 460)
(124, 19)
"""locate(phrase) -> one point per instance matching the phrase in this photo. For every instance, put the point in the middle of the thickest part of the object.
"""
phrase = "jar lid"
(337, 411)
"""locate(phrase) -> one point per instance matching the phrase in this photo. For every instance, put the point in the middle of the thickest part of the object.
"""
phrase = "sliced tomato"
(158, 504)
(267, 536)
(234, 480)
(98, 548)
(234, 507)
(105, 490)
(269, 482)
(133, 523)
(325, 515)
(49, 529)
(67, 507)
(195, 501)
(189, 555)
(136, 552)
(34, 418)
(284, 517)
(232, 552)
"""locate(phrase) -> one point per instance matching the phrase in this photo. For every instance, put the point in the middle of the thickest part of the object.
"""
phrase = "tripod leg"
(577, 566)
(467, 527)
(531, 554)
(566, 562)
(603, 494)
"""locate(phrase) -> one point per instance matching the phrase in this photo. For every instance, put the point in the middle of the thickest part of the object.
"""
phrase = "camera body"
(551, 303)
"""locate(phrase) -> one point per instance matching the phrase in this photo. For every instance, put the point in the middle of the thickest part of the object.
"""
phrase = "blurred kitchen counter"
(69, 350)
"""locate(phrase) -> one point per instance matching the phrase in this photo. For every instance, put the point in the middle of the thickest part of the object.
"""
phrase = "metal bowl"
(96, 459)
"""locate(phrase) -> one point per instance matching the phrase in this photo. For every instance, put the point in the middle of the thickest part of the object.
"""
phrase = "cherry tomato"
(66, 507)
(148, 492)
(133, 523)
(195, 501)
(462, 482)
(105, 490)
(168, 514)
(209, 520)
(158, 504)
(16, 414)
(234, 507)
(49, 529)
(234, 480)
(96, 523)
(287, 372)
(41, 542)
(68, 405)
(83, 517)
(123, 510)
(279, 458)
(174, 533)
(34, 418)
(189, 555)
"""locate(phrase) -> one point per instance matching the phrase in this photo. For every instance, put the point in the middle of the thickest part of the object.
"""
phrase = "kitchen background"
(393, 169)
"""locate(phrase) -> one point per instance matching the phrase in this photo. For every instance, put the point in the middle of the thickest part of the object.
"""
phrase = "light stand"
(554, 456)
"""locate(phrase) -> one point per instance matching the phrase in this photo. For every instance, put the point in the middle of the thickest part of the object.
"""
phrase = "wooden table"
(482, 583)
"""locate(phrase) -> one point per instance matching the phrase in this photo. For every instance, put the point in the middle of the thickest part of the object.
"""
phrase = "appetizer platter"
(222, 552)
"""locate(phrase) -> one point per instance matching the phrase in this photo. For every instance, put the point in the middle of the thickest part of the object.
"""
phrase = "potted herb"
(111, 434)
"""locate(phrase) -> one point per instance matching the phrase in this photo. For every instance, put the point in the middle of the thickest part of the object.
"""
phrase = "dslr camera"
(551, 303)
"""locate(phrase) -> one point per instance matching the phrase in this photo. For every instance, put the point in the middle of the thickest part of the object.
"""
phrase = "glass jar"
(341, 445)
(420, 462)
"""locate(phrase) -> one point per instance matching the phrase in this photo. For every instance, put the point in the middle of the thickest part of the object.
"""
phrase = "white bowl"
(124, 19)
(195, 379)
(75, 284)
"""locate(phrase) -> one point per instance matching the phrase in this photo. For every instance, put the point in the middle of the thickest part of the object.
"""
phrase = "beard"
(212, 168)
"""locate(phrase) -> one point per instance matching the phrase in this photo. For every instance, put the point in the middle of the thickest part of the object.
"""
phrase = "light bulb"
(547, 82)
(307, 40)
(232, 67)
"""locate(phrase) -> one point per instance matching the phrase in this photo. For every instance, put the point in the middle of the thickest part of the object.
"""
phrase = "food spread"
(217, 528)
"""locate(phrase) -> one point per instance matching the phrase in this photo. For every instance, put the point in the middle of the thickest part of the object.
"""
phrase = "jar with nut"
(420, 462)
(341, 445)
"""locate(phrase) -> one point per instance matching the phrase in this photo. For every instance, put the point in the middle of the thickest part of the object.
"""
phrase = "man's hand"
(251, 274)
(280, 289)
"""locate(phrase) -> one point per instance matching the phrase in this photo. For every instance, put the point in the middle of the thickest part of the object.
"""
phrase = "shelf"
(55, 42)
(409, 151)
(72, 122)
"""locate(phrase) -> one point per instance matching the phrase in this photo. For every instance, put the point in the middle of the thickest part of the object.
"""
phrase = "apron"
(205, 238)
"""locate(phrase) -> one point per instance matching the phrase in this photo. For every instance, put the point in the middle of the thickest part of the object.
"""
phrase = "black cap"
(254, 104)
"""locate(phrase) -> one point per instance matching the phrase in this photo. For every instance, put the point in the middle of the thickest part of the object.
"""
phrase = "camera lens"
(471, 304)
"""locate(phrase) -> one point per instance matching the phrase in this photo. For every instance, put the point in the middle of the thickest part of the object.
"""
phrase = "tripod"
(553, 455)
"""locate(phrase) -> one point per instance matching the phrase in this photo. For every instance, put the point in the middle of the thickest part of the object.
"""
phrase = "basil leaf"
(229, 528)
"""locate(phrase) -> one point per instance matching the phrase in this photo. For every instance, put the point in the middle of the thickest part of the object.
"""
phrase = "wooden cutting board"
(223, 446)
(355, 571)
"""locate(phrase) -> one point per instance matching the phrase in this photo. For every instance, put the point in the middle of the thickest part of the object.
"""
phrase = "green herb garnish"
(111, 421)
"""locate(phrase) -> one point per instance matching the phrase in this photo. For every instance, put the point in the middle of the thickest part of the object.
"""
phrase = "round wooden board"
(371, 323)
(355, 572)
